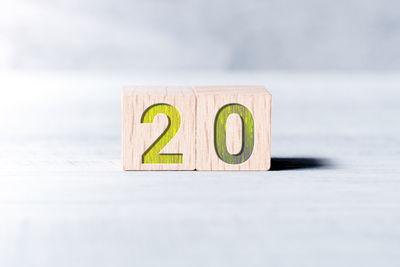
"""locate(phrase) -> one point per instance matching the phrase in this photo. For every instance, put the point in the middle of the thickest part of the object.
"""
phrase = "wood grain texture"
(138, 136)
(210, 99)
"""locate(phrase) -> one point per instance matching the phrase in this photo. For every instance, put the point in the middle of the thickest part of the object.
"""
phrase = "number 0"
(247, 134)
(152, 154)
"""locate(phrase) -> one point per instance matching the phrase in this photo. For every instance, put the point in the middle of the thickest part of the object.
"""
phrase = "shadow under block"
(233, 128)
(158, 128)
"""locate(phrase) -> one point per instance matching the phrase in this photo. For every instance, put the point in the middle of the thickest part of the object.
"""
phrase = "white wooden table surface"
(332, 199)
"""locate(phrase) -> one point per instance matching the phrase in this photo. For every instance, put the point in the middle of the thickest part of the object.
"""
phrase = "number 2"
(152, 155)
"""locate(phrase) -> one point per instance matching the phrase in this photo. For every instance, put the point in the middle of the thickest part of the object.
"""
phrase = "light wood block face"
(158, 128)
(233, 128)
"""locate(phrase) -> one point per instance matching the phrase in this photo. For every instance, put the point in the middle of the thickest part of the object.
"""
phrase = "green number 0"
(152, 154)
(247, 134)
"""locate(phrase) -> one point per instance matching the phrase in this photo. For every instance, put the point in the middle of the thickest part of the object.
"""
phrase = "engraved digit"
(247, 132)
(152, 155)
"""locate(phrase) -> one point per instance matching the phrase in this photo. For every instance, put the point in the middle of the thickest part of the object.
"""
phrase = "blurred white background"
(200, 34)
(331, 200)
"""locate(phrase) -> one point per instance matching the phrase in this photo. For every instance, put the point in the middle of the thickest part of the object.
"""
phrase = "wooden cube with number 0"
(233, 128)
(158, 128)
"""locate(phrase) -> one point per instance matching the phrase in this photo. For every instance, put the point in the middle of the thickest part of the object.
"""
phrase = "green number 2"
(247, 134)
(152, 155)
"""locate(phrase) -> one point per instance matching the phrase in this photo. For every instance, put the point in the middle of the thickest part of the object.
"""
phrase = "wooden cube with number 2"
(158, 128)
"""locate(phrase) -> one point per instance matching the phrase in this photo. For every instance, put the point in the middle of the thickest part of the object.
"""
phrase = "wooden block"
(158, 128)
(233, 128)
